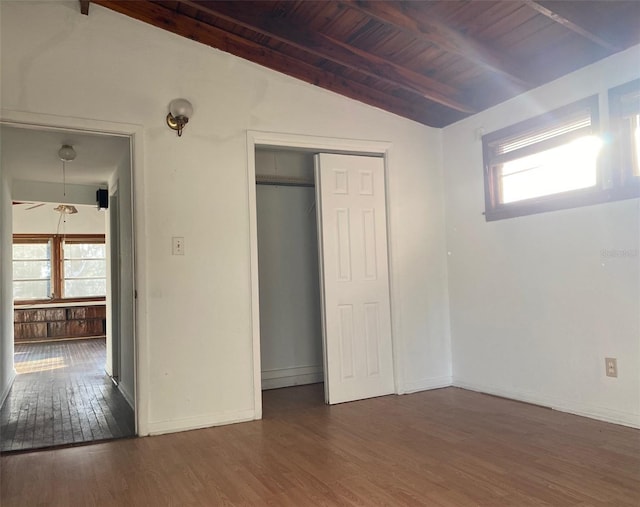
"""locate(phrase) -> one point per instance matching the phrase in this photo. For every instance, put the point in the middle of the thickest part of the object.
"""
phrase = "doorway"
(290, 310)
(349, 326)
(65, 338)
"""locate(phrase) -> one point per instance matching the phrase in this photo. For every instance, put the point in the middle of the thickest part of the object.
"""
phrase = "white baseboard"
(286, 377)
(194, 423)
(5, 391)
(426, 383)
(570, 406)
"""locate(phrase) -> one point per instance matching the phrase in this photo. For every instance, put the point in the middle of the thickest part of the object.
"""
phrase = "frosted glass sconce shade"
(180, 110)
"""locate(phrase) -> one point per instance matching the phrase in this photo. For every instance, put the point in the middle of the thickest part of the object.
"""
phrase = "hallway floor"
(62, 396)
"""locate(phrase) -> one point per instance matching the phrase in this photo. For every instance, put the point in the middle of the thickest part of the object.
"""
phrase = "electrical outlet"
(611, 364)
(177, 245)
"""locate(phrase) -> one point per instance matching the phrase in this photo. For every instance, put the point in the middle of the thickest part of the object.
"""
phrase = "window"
(546, 163)
(85, 269)
(55, 267)
(32, 269)
(624, 108)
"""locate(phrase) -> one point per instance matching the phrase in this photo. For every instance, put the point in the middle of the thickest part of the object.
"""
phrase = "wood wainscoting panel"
(30, 330)
(39, 314)
(59, 323)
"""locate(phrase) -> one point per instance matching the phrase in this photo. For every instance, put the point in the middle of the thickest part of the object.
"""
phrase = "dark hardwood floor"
(447, 447)
(62, 396)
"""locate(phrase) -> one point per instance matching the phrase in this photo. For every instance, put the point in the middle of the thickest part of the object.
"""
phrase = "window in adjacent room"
(545, 163)
(84, 268)
(32, 274)
(54, 268)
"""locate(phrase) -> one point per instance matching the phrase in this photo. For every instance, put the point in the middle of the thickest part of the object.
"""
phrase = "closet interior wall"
(290, 325)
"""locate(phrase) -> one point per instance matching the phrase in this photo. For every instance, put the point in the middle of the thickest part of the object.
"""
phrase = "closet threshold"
(285, 183)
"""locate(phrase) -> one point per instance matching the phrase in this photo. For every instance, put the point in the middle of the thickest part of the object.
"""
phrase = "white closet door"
(354, 277)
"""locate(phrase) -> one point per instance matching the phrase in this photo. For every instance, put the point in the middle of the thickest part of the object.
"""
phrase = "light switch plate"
(177, 247)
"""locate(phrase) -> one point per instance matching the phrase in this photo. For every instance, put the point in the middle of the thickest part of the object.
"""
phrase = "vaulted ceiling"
(434, 62)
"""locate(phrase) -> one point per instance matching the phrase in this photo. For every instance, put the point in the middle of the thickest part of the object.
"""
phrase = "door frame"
(135, 133)
(114, 243)
(260, 139)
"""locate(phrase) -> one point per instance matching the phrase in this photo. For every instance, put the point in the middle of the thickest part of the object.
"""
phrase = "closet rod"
(285, 184)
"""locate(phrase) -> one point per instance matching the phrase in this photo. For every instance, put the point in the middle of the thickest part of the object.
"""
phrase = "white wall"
(197, 345)
(44, 220)
(535, 307)
(7, 372)
(42, 191)
(290, 327)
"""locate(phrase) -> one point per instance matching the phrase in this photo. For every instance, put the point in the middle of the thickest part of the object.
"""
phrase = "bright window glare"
(567, 167)
(39, 365)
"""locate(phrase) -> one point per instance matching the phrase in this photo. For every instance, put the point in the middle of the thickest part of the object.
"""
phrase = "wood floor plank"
(62, 396)
(441, 448)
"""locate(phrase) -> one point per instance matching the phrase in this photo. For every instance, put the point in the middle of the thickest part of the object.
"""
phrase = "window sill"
(575, 199)
(53, 303)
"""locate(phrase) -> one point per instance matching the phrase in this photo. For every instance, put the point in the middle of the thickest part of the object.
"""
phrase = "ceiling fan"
(30, 207)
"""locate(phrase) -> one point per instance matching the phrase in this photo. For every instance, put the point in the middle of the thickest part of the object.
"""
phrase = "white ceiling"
(32, 155)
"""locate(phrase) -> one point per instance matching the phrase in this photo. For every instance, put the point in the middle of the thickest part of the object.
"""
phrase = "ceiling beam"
(84, 7)
(169, 20)
(571, 25)
(336, 51)
(399, 16)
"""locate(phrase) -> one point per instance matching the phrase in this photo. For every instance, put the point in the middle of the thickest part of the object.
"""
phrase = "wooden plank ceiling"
(434, 62)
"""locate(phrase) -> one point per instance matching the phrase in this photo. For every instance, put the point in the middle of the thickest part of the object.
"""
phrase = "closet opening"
(292, 370)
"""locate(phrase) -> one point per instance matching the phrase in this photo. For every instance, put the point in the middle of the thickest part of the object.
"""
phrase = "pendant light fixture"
(66, 154)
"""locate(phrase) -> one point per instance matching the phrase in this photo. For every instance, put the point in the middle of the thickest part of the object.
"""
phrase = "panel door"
(354, 278)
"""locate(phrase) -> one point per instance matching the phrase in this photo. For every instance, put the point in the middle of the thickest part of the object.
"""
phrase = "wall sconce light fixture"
(180, 110)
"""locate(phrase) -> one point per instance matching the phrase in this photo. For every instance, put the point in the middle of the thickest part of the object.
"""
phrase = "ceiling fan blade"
(33, 207)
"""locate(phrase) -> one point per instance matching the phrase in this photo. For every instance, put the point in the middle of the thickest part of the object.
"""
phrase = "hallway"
(62, 396)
